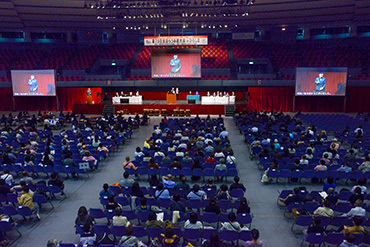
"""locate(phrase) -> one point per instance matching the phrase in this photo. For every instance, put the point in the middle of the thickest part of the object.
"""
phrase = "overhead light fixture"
(283, 29)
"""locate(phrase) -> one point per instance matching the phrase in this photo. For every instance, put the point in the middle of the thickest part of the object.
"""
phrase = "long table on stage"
(127, 100)
(217, 100)
(193, 97)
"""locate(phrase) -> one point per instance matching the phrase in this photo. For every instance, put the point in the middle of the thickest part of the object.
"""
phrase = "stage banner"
(237, 36)
(175, 40)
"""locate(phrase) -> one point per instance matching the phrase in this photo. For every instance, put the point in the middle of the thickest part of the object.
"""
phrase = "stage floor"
(159, 104)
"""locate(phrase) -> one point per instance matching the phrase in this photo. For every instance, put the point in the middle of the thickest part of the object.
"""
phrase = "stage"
(240, 105)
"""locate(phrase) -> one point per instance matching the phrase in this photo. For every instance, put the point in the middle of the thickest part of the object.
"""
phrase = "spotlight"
(283, 29)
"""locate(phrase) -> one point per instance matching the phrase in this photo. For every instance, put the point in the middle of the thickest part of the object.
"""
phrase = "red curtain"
(271, 98)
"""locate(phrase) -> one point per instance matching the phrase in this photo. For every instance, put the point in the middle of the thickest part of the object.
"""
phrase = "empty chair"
(302, 220)
(98, 228)
(314, 238)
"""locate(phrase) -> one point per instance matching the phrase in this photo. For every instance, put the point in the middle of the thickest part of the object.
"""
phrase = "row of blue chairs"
(309, 174)
(142, 217)
(334, 238)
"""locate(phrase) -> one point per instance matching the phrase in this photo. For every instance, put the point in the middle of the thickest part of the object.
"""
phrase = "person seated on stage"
(214, 94)
(233, 94)
(208, 94)
(137, 93)
(121, 93)
(196, 93)
(130, 93)
(189, 92)
(117, 94)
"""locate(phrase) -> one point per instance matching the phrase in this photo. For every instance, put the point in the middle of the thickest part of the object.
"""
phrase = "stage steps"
(109, 109)
(229, 110)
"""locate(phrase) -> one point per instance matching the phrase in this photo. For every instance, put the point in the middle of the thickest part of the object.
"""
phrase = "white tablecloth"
(131, 99)
(210, 100)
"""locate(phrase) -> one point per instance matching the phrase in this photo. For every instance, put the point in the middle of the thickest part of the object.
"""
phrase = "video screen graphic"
(180, 63)
(321, 82)
(33, 82)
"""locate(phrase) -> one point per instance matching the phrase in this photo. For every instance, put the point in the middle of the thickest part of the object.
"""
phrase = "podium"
(89, 99)
(171, 98)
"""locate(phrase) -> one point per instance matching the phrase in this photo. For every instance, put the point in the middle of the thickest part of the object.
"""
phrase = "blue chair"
(56, 190)
(25, 212)
(245, 236)
(118, 231)
(122, 200)
(9, 210)
(225, 204)
(164, 203)
(314, 238)
(99, 228)
(48, 169)
(208, 172)
(97, 213)
(206, 234)
(237, 193)
(191, 234)
(210, 218)
(139, 232)
(41, 199)
(175, 171)
(142, 216)
(339, 221)
(195, 203)
(5, 227)
(342, 207)
(285, 173)
(12, 198)
(273, 173)
(334, 238)
(154, 232)
(185, 171)
(308, 174)
(130, 214)
(197, 172)
(302, 220)
(229, 236)
(115, 189)
(223, 217)
(321, 174)
(245, 219)
(311, 206)
(109, 213)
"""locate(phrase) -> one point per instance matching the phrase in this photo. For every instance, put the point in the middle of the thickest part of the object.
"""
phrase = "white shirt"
(8, 179)
(357, 211)
(254, 129)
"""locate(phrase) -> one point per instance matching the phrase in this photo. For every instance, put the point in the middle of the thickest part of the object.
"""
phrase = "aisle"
(268, 217)
(59, 223)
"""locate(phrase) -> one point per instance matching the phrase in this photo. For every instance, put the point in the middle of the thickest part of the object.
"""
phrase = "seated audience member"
(223, 193)
(220, 167)
(212, 206)
(159, 153)
(26, 177)
(210, 158)
(106, 191)
(197, 193)
(55, 181)
(88, 237)
(209, 185)
(118, 219)
(138, 153)
(176, 204)
(153, 180)
(356, 228)
(304, 161)
(126, 181)
(128, 164)
(166, 158)
(237, 185)
(362, 184)
(365, 166)
(315, 226)
(243, 207)
(88, 157)
(50, 243)
(26, 200)
(187, 159)
(232, 225)
(255, 242)
(183, 185)
(169, 238)
(332, 197)
(193, 222)
(356, 196)
(167, 181)
(214, 241)
(112, 205)
(329, 184)
(345, 168)
(350, 241)
(326, 158)
(357, 210)
(143, 207)
(321, 166)
(153, 222)
(7, 177)
(231, 158)
(219, 153)
(152, 164)
(176, 163)
(162, 193)
(136, 190)
(128, 239)
(295, 197)
(325, 210)
(83, 217)
(4, 190)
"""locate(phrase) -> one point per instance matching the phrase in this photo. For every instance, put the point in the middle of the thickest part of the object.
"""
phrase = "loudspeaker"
(191, 101)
